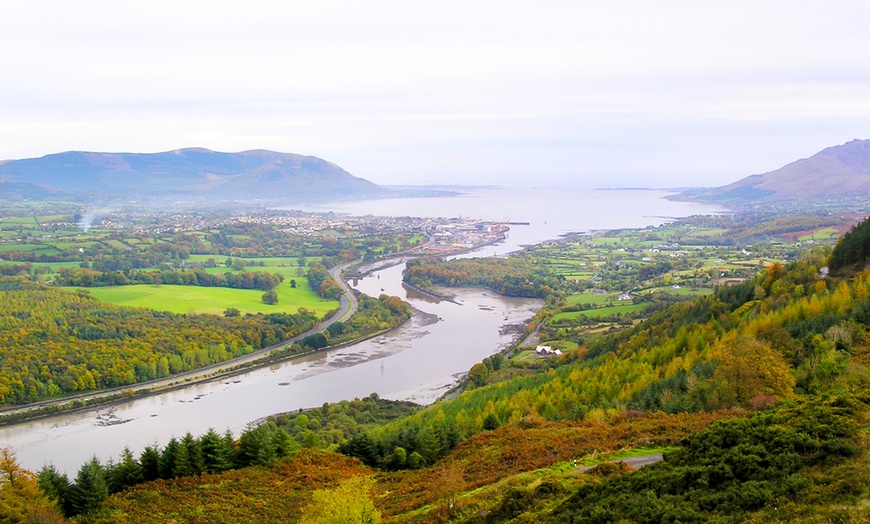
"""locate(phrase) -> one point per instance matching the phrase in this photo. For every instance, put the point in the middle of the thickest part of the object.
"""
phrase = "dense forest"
(512, 276)
(853, 248)
(750, 345)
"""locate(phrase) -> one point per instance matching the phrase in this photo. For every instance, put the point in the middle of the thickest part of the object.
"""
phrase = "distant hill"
(20, 191)
(837, 172)
(187, 173)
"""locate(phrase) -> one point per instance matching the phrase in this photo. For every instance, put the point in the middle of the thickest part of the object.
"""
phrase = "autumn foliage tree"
(747, 369)
(21, 500)
(349, 503)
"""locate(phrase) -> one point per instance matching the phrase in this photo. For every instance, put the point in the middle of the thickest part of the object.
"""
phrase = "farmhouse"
(547, 351)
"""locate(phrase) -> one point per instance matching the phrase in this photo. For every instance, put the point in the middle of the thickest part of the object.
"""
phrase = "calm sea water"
(550, 212)
(419, 361)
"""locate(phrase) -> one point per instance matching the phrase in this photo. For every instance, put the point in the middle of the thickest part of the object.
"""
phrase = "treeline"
(12, 270)
(189, 456)
(513, 276)
(321, 282)
(81, 277)
(56, 342)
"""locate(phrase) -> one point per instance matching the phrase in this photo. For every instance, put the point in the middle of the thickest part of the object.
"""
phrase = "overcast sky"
(618, 93)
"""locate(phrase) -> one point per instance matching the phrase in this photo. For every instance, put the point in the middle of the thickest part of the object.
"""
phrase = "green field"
(18, 221)
(285, 266)
(53, 265)
(682, 291)
(591, 298)
(24, 248)
(213, 300)
(598, 312)
(828, 233)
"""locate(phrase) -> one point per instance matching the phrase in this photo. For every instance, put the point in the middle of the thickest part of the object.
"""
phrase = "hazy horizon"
(623, 94)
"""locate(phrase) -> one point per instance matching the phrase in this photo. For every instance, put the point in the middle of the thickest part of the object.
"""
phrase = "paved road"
(349, 303)
(642, 460)
(635, 462)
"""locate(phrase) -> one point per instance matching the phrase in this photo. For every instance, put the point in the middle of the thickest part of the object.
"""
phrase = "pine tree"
(56, 486)
(284, 444)
(183, 465)
(428, 445)
(256, 447)
(233, 446)
(216, 455)
(90, 487)
(166, 466)
(194, 454)
(126, 473)
(362, 447)
(149, 460)
(491, 422)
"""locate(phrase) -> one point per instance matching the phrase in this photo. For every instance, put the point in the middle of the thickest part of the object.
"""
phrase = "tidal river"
(418, 361)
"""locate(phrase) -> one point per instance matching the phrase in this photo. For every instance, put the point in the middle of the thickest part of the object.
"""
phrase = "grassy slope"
(599, 312)
(195, 299)
(214, 300)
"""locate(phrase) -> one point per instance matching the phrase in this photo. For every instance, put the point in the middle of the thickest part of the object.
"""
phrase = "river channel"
(418, 361)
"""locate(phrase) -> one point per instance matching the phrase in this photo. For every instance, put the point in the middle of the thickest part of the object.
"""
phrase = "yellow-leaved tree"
(21, 500)
(749, 371)
(349, 503)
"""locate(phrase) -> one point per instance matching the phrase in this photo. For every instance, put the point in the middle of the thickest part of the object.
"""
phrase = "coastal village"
(437, 236)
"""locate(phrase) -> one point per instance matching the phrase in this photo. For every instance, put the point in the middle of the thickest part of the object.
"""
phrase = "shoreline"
(125, 394)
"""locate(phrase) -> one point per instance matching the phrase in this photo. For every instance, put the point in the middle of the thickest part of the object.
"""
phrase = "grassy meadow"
(213, 300)
(598, 312)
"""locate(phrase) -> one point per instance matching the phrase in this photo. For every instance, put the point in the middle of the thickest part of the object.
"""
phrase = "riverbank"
(67, 405)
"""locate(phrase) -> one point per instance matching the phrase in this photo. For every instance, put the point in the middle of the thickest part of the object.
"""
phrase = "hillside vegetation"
(853, 249)
(756, 395)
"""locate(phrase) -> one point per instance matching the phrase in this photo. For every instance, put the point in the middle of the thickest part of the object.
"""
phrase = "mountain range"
(836, 172)
(184, 173)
